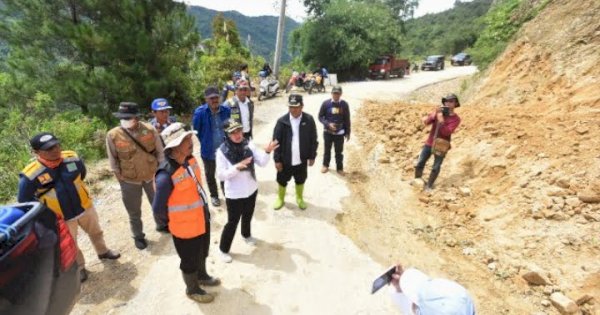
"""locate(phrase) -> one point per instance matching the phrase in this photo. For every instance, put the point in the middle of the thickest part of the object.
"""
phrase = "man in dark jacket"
(208, 121)
(296, 133)
(335, 117)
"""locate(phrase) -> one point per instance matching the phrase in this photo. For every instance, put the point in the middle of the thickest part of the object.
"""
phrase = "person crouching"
(181, 203)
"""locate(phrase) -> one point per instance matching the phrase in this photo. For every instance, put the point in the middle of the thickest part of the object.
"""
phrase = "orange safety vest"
(185, 205)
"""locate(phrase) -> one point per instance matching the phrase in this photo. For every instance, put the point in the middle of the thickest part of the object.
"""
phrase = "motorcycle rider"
(267, 69)
(229, 87)
(242, 108)
(323, 73)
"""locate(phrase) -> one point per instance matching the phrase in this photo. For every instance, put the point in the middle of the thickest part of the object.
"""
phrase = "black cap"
(295, 100)
(451, 96)
(211, 91)
(336, 89)
(127, 110)
(43, 141)
(231, 125)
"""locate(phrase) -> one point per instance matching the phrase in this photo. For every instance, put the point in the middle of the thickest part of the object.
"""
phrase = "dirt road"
(302, 264)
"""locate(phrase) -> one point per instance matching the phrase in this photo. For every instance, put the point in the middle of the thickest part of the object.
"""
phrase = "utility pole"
(279, 42)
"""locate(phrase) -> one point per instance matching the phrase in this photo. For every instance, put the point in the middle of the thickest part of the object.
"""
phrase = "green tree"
(226, 30)
(502, 21)
(447, 32)
(401, 9)
(92, 54)
(316, 7)
(223, 54)
(347, 37)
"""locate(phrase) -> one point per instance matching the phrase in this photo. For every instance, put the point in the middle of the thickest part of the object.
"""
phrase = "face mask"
(127, 123)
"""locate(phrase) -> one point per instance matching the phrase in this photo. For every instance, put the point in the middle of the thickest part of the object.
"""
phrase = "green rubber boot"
(299, 198)
(280, 198)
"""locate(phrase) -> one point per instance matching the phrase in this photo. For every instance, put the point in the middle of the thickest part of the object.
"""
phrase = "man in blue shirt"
(208, 121)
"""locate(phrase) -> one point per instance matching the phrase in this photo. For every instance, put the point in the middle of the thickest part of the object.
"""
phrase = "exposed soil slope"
(519, 191)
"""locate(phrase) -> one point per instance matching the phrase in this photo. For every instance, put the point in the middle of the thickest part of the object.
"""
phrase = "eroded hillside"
(519, 193)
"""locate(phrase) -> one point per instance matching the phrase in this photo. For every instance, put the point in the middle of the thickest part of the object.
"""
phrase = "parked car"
(461, 59)
(388, 66)
(435, 62)
(38, 271)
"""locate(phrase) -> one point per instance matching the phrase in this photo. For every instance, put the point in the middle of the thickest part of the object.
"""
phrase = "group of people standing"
(156, 158)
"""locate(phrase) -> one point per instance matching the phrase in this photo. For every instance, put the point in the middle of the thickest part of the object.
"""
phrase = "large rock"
(589, 196)
(563, 182)
(563, 304)
(536, 276)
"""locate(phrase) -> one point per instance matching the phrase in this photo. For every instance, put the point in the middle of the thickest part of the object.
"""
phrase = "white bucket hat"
(174, 134)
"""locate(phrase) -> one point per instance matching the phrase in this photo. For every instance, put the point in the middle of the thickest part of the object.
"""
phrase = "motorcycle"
(315, 81)
(297, 79)
(268, 87)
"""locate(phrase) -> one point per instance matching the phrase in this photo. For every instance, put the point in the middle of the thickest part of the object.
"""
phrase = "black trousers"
(299, 172)
(193, 251)
(237, 208)
(338, 143)
(210, 167)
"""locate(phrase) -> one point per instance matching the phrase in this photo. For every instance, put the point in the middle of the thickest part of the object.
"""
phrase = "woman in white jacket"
(236, 158)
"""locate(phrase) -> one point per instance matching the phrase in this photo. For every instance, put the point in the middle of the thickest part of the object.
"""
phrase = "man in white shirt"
(242, 108)
(416, 293)
(296, 134)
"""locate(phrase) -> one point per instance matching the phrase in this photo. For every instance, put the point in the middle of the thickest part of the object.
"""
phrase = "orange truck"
(388, 66)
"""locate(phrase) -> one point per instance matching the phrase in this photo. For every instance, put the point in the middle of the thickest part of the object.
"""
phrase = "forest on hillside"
(66, 65)
(445, 33)
(261, 30)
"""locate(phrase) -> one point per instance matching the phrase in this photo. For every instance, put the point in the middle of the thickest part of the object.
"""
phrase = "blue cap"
(160, 104)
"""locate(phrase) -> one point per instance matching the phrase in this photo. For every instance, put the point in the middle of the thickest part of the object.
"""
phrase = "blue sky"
(295, 9)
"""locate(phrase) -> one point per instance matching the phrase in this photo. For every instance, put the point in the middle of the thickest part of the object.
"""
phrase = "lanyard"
(199, 188)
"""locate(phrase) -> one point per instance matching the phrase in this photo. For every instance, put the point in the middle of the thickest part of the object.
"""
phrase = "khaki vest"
(135, 164)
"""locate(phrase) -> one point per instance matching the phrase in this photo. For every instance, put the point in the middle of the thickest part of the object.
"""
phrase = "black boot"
(418, 172)
(432, 177)
(193, 291)
(204, 278)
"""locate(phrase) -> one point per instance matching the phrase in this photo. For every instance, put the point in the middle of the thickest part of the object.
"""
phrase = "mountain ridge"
(262, 30)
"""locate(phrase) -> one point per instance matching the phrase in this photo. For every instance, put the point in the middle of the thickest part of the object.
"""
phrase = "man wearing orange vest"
(180, 202)
(134, 151)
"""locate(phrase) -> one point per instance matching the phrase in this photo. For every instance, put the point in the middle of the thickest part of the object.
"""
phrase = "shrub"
(75, 131)
(502, 22)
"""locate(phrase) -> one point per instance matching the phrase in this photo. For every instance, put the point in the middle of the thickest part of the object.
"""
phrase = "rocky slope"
(519, 193)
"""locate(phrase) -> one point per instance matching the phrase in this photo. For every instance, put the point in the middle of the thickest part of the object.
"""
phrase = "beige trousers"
(88, 222)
